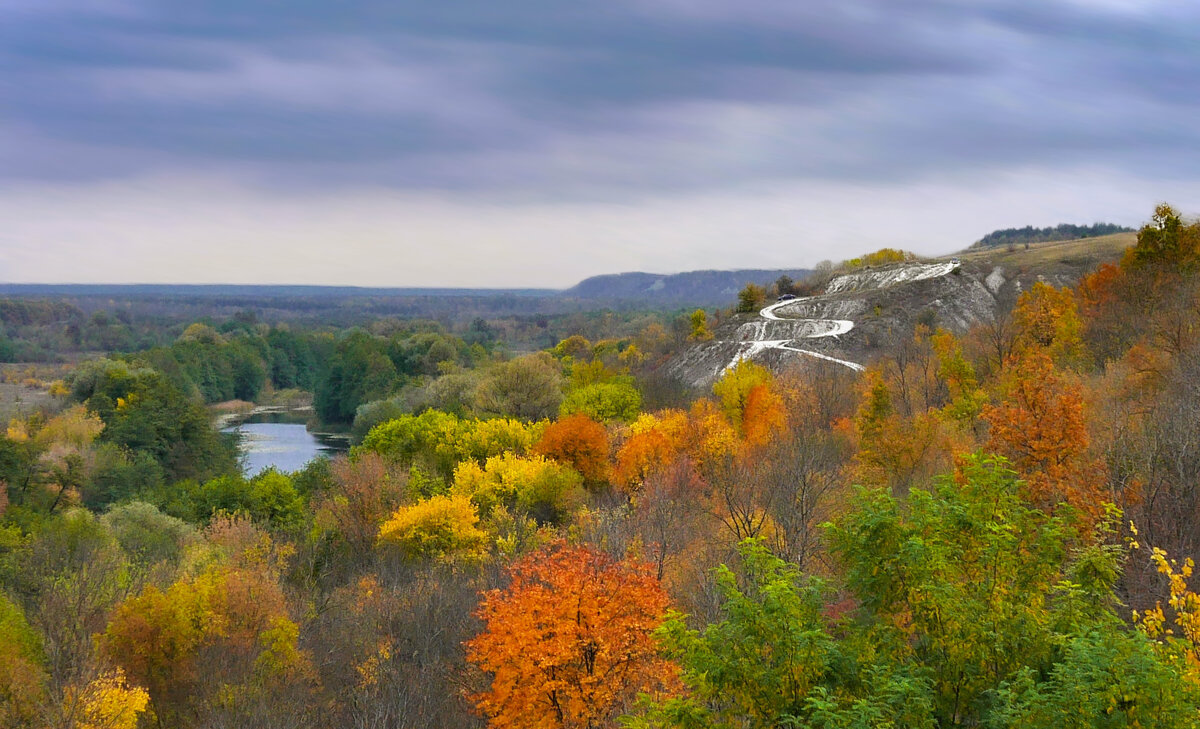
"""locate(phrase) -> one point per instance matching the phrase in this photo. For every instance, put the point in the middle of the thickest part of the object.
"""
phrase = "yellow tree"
(967, 398)
(711, 440)
(106, 702)
(1185, 606)
(734, 387)
(231, 614)
(441, 527)
(1047, 319)
(894, 451)
(654, 442)
(546, 490)
(699, 323)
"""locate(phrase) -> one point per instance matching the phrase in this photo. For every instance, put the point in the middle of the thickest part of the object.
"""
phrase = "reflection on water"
(282, 441)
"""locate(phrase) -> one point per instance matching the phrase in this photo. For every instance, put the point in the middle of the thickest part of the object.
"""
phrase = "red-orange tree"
(568, 644)
(579, 442)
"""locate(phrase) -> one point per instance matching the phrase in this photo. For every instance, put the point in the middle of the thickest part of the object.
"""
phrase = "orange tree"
(1040, 425)
(1047, 320)
(654, 443)
(579, 442)
(894, 451)
(764, 416)
(569, 643)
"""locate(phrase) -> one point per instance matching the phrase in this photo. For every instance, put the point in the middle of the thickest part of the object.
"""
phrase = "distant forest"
(1062, 231)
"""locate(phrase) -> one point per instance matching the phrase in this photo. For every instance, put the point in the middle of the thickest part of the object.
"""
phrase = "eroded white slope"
(818, 328)
(880, 279)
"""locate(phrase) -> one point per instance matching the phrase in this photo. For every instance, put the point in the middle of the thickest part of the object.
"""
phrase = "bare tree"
(667, 512)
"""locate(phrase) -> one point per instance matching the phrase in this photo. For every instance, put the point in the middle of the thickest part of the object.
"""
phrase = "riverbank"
(235, 412)
(274, 436)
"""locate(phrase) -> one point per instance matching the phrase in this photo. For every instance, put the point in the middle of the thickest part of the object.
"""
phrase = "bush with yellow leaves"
(443, 528)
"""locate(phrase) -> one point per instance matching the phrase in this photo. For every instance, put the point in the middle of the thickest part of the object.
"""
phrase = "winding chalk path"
(836, 327)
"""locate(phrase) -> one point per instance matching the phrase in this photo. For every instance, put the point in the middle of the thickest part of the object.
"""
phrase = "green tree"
(22, 680)
(143, 412)
(359, 371)
(67, 577)
(770, 661)
(437, 442)
(268, 498)
(1109, 677)
(751, 298)
(963, 606)
(973, 585)
(1166, 243)
(606, 402)
(528, 387)
(147, 535)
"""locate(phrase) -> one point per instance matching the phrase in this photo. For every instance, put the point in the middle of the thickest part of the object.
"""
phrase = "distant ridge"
(255, 290)
(692, 288)
(711, 288)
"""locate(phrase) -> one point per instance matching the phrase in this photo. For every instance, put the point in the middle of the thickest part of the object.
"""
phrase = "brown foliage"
(366, 492)
(894, 451)
(1039, 424)
(665, 513)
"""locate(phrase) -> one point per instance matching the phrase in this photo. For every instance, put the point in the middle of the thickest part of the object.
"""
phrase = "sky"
(536, 142)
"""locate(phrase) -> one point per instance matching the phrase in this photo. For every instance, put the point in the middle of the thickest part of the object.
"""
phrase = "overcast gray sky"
(537, 142)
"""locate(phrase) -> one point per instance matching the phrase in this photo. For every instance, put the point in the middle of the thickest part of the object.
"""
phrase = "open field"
(1082, 251)
(25, 387)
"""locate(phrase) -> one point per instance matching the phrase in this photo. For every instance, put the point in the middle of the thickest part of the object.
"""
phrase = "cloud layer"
(631, 110)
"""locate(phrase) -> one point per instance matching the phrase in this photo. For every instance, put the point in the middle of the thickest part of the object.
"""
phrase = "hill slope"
(864, 313)
(1069, 255)
(700, 288)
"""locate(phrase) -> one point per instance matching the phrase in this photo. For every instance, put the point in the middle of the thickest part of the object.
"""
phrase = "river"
(281, 440)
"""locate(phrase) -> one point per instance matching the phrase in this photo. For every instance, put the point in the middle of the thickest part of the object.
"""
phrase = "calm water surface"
(282, 441)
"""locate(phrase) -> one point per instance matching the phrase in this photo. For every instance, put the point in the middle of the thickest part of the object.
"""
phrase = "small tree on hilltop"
(785, 285)
(699, 321)
(751, 298)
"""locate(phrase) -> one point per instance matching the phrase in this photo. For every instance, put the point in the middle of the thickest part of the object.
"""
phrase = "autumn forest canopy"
(993, 525)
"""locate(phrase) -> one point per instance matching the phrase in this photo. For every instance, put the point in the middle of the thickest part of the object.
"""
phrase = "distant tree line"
(41, 329)
(1062, 231)
(44, 331)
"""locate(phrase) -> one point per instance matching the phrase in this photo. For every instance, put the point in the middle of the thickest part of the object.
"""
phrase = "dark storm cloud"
(583, 98)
